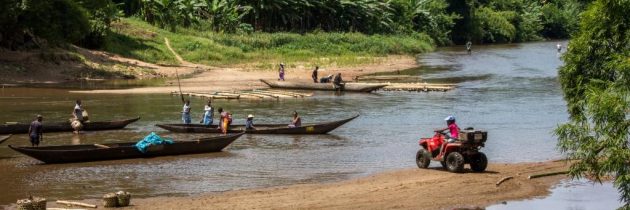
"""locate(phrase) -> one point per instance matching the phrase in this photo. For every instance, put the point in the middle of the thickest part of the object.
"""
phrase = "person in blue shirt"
(249, 124)
(208, 114)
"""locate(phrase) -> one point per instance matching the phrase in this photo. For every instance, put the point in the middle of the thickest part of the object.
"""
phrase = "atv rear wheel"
(423, 158)
(455, 162)
(479, 162)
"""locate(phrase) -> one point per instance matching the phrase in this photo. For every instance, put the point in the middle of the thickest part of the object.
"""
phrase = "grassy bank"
(137, 39)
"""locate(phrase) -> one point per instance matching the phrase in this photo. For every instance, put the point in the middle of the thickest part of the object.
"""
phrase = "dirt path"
(404, 189)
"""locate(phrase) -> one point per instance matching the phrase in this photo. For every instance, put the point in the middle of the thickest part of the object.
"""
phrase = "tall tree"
(596, 84)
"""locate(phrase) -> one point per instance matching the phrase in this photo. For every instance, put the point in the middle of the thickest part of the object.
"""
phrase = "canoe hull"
(22, 128)
(88, 153)
(4, 138)
(321, 128)
(351, 87)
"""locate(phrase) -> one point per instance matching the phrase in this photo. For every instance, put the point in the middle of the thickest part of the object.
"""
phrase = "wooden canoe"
(321, 128)
(353, 87)
(21, 128)
(91, 152)
(4, 138)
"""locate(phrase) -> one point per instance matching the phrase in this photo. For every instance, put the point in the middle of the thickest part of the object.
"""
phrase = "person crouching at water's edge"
(296, 122)
(35, 131)
(186, 112)
(452, 127)
(281, 72)
(208, 114)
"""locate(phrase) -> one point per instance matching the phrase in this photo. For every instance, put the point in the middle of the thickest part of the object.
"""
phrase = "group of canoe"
(95, 152)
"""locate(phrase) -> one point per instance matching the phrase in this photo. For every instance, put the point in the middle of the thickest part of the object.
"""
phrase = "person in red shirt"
(452, 127)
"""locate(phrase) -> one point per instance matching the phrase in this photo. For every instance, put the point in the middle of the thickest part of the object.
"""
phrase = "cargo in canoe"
(91, 152)
(4, 138)
(320, 128)
(22, 128)
(352, 87)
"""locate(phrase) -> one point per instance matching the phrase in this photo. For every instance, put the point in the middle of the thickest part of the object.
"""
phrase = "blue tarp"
(151, 139)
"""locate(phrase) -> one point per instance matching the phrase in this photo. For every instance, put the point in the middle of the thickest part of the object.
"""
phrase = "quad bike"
(455, 154)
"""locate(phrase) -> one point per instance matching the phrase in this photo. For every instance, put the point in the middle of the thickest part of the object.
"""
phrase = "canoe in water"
(90, 152)
(4, 138)
(320, 128)
(353, 87)
(22, 128)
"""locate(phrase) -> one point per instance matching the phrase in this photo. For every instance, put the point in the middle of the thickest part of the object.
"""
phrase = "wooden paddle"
(180, 86)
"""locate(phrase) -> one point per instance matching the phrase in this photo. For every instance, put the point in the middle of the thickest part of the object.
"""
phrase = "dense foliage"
(87, 22)
(596, 84)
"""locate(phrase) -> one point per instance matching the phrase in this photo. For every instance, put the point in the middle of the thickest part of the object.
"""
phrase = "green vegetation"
(596, 84)
(137, 39)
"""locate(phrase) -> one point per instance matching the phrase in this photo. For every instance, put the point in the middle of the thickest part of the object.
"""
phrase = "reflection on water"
(509, 90)
(571, 195)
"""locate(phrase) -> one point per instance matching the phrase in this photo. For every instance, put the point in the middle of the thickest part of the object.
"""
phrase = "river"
(509, 90)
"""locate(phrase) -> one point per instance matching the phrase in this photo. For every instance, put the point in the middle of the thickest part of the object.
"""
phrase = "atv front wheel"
(423, 158)
(455, 162)
(479, 162)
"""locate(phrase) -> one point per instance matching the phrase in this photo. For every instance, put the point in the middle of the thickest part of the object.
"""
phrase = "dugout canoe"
(22, 128)
(91, 152)
(4, 138)
(352, 87)
(320, 128)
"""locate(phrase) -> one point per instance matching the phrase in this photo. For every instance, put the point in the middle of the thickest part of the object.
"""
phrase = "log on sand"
(503, 180)
(547, 174)
(73, 203)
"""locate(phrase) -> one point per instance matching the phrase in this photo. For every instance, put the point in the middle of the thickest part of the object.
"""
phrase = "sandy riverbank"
(246, 77)
(403, 189)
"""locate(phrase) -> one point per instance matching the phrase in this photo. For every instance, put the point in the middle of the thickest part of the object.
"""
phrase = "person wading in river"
(468, 47)
(77, 113)
(314, 75)
(35, 131)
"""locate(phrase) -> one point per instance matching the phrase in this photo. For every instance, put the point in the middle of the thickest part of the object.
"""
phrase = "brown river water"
(510, 90)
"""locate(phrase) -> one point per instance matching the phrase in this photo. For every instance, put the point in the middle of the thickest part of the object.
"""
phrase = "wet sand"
(410, 188)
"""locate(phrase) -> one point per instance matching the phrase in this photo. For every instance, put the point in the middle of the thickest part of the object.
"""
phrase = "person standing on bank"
(314, 75)
(186, 112)
(281, 72)
(35, 131)
(208, 114)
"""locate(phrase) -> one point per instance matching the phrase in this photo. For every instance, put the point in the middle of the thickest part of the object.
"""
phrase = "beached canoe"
(90, 152)
(320, 128)
(22, 128)
(353, 87)
(4, 138)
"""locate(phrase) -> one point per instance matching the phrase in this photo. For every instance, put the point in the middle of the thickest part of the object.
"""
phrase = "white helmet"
(449, 118)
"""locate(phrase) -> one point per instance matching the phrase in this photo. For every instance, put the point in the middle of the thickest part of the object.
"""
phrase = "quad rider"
(453, 133)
